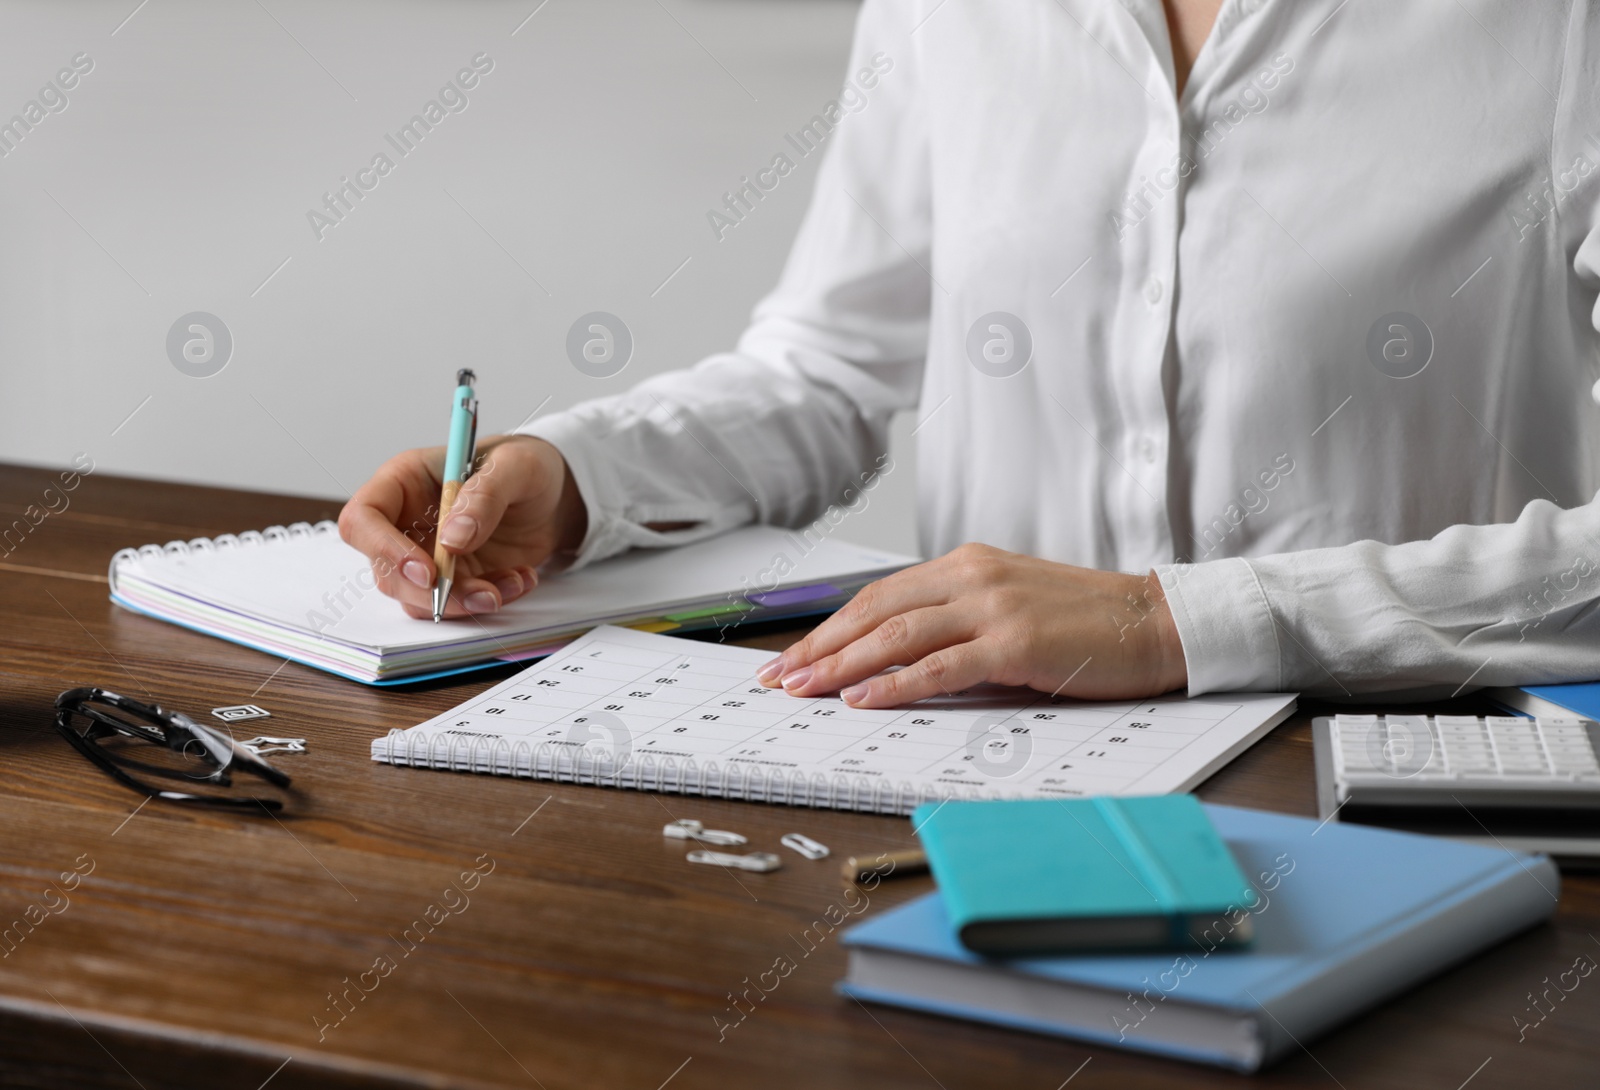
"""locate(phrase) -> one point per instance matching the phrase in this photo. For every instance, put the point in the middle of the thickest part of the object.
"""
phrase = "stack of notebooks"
(1343, 917)
(303, 594)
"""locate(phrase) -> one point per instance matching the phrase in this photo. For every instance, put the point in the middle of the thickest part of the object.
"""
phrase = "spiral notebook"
(300, 593)
(624, 708)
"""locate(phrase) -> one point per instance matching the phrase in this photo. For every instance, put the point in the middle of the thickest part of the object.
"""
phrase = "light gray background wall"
(578, 178)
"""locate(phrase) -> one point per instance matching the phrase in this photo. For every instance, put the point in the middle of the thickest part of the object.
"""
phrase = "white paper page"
(320, 582)
(647, 698)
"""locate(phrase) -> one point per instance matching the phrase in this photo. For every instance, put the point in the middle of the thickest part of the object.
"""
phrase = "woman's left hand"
(982, 614)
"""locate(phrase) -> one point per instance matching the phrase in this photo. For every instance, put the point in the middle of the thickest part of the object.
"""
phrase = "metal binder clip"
(268, 744)
(807, 847)
(757, 861)
(690, 829)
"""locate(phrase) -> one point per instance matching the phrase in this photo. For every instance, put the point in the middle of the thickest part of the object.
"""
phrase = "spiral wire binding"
(570, 762)
(295, 531)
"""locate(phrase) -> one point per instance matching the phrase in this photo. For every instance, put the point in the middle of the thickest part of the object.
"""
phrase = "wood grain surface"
(208, 950)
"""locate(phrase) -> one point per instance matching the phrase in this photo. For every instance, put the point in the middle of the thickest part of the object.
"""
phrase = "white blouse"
(1315, 340)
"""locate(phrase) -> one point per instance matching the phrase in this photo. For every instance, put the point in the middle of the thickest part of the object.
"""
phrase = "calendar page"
(633, 709)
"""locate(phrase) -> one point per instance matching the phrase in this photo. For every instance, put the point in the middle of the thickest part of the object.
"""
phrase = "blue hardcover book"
(1345, 916)
(1060, 875)
(1580, 698)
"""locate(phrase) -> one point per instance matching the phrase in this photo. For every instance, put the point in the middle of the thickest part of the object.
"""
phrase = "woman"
(1299, 322)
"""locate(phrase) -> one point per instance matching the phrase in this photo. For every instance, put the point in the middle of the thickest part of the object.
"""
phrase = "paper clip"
(807, 847)
(690, 829)
(238, 713)
(757, 861)
(268, 744)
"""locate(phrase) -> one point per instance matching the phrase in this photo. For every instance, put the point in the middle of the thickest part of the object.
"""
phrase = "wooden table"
(203, 948)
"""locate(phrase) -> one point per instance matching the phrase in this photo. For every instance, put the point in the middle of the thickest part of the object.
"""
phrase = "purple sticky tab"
(789, 596)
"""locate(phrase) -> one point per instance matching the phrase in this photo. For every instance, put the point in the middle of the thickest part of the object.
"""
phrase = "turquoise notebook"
(1036, 876)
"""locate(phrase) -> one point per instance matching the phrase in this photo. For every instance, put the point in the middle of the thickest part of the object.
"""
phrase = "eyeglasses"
(147, 740)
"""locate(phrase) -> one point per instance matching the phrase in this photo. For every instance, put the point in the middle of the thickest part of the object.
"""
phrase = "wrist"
(569, 515)
(1165, 650)
(572, 514)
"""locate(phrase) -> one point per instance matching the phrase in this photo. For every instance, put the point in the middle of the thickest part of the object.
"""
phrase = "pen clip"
(469, 463)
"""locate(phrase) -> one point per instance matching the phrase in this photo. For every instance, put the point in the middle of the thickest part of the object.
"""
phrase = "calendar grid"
(689, 716)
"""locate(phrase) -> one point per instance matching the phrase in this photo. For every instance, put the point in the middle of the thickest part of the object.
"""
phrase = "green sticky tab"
(711, 611)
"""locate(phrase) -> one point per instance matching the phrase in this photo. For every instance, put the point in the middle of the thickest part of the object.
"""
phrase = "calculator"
(1527, 784)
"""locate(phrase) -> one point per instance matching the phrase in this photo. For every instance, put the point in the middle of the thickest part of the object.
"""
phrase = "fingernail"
(530, 578)
(509, 586)
(417, 572)
(798, 678)
(771, 671)
(459, 531)
(853, 694)
(480, 601)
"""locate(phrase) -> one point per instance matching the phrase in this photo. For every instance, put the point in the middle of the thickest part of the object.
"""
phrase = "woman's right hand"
(519, 508)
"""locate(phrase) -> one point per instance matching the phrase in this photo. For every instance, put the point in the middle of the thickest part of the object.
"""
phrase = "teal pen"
(458, 459)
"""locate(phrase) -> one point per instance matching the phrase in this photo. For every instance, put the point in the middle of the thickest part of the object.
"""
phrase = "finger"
(488, 592)
(468, 598)
(367, 523)
(913, 588)
(940, 674)
(483, 499)
(899, 641)
(512, 583)
(474, 595)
